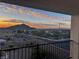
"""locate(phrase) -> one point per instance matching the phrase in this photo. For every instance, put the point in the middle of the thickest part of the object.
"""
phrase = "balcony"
(54, 50)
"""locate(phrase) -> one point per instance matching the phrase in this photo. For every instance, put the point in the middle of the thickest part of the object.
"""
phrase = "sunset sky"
(11, 15)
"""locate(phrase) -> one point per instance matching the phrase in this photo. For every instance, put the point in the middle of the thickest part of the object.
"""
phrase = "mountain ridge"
(21, 27)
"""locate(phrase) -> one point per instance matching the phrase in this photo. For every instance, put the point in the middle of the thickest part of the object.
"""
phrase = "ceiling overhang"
(70, 7)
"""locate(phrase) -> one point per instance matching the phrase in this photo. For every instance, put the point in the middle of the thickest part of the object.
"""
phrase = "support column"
(74, 45)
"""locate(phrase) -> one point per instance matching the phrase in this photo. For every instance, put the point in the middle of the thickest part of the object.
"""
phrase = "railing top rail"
(60, 41)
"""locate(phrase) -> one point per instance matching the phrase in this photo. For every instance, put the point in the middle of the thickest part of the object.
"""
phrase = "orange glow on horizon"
(7, 24)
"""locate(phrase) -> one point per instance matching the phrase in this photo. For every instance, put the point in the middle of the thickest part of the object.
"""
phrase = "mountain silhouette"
(21, 27)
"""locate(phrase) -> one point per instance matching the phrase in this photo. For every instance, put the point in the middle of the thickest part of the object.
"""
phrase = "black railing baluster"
(18, 54)
(28, 50)
(14, 54)
(22, 53)
(5, 54)
(0, 54)
(9, 54)
(25, 52)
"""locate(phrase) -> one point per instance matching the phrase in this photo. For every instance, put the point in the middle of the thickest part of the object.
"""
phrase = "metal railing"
(36, 51)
